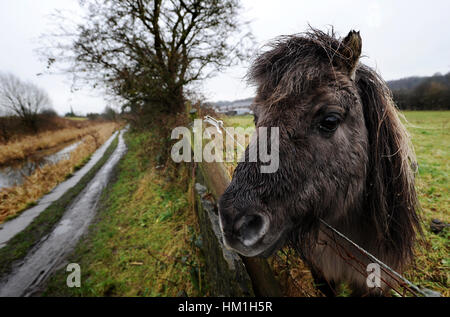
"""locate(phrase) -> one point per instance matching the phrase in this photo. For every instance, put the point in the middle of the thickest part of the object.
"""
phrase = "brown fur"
(357, 178)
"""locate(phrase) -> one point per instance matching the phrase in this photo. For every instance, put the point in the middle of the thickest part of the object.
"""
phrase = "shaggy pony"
(345, 157)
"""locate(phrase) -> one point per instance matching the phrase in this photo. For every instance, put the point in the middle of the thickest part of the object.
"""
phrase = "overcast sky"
(400, 38)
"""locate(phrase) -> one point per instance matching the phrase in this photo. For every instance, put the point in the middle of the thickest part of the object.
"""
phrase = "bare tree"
(23, 99)
(149, 52)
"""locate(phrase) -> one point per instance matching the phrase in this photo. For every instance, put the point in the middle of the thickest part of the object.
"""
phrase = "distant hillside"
(415, 93)
(406, 83)
(422, 93)
(234, 103)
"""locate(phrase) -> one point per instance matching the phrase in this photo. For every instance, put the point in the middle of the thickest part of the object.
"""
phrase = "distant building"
(236, 107)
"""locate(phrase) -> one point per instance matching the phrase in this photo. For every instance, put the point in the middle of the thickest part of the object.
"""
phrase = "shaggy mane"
(295, 64)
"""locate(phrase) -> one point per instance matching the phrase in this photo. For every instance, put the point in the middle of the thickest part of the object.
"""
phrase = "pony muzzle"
(247, 234)
(250, 229)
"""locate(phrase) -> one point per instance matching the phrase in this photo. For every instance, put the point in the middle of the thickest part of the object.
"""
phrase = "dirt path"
(11, 228)
(28, 275)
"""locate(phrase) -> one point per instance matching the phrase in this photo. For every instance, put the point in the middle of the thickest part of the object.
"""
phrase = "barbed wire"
(339, 248)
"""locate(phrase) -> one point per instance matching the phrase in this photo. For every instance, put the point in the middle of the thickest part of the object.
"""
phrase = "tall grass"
(145, 241)
(15, 199)
(19, 246)
(28, 145)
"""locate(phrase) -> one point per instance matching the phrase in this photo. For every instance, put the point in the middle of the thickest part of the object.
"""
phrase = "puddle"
(14, 226)
(15, 174)
(50, 252)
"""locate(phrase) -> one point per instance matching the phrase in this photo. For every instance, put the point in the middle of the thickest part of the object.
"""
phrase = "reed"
(15, 199)
(26, 146)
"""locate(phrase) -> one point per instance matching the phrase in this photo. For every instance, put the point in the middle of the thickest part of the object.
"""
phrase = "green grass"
(430, 133)
(244, 121)
(143, 241)
(82, 163)
(18, 247)
(76, 118)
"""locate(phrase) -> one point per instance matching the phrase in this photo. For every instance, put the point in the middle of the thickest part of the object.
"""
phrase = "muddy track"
(44, 258)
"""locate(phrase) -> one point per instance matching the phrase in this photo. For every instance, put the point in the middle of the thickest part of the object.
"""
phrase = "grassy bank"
(430, 135)
(16, 150)
(18, 247)
(143, 242)
(13, 128)
(18, 198)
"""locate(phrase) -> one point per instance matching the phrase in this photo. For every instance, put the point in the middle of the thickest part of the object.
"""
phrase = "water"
(14, 226)
(49, 253)
(15, 175)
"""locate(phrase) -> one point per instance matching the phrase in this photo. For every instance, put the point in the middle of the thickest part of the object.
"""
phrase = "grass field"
(430, 133)
(144, 240)
(77, 118)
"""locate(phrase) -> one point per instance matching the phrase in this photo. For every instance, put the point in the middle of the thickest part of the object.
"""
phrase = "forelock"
(294, 64)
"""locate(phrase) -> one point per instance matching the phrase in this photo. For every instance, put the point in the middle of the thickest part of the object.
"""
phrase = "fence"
(241, 272)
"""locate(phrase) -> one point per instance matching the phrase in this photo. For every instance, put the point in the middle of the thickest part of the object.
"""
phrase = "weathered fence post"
(262, 279)
(227, 274)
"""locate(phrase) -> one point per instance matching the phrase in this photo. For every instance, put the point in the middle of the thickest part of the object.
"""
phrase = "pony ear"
(349, 52)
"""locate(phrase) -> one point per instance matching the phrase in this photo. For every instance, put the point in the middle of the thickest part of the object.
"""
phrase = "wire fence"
(395, 281)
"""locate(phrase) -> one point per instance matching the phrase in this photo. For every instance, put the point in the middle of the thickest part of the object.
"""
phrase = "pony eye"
(329, 123)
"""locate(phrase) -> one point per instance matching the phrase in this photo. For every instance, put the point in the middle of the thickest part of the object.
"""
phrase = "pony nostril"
(250, 228)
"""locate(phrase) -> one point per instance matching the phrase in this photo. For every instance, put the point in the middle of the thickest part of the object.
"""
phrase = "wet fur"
(359, 180)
